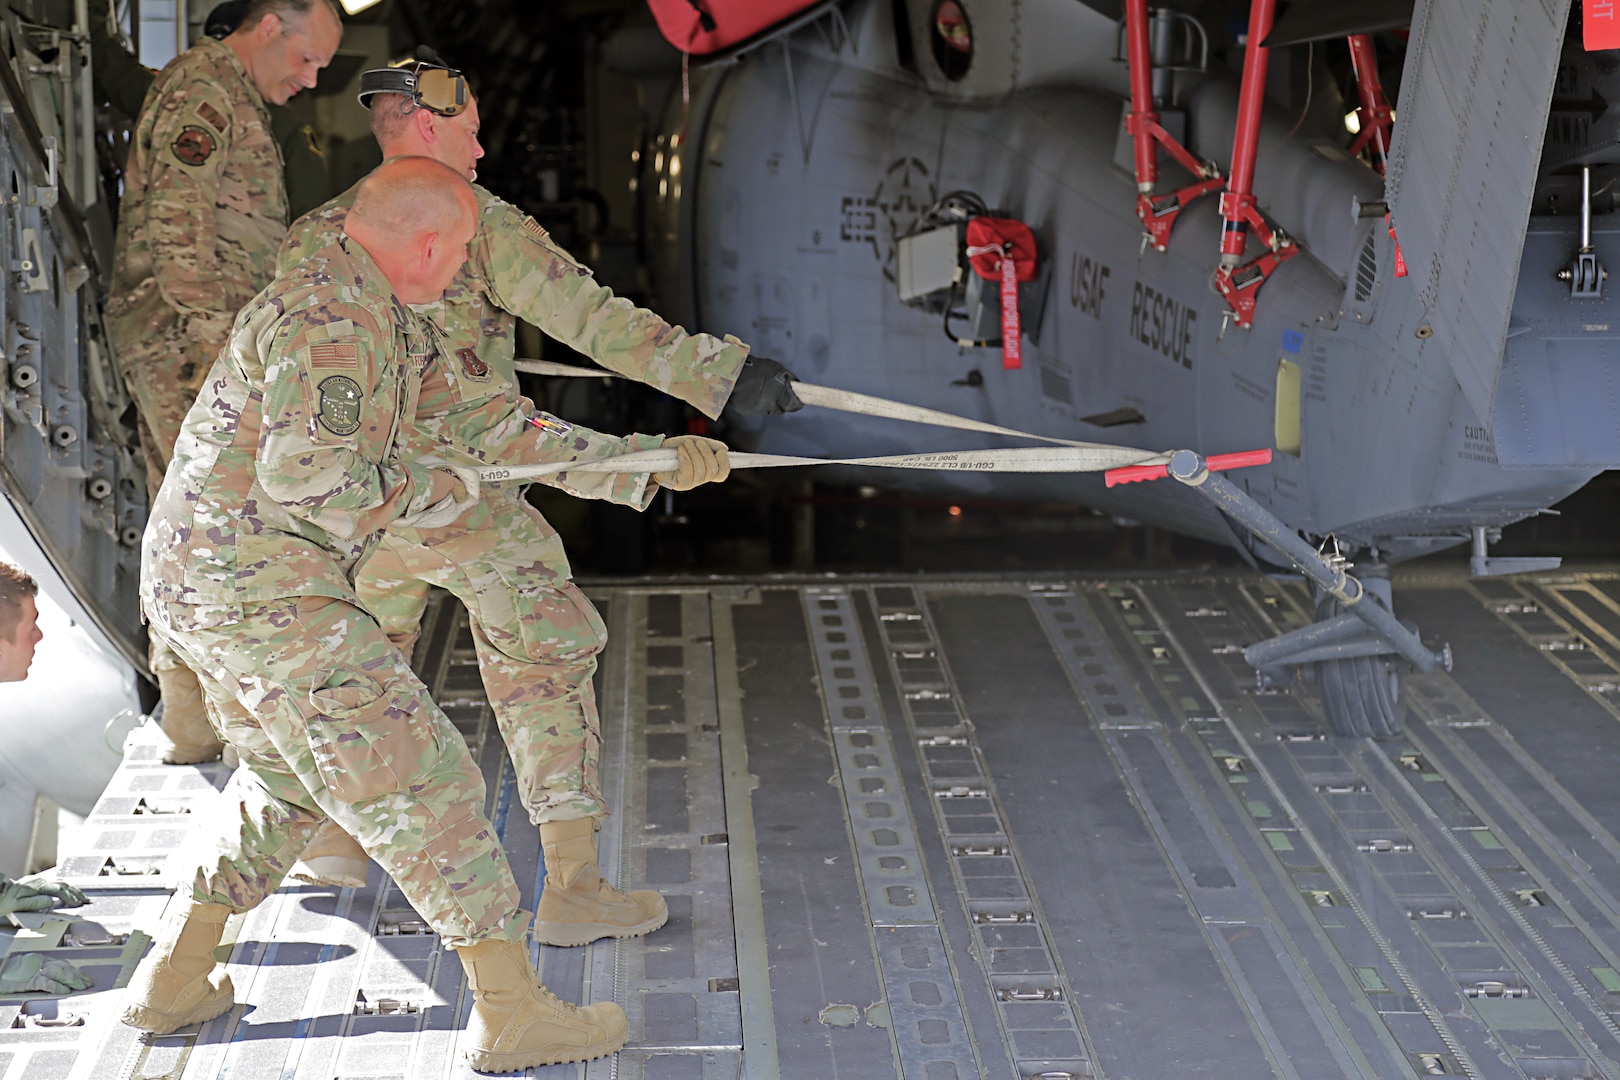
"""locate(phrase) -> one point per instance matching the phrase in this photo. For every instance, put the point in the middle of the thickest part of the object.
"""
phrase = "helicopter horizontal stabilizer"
(1319, 20)
(1474, 101)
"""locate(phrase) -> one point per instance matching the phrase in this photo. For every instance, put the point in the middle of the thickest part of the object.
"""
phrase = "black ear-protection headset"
(439, 90)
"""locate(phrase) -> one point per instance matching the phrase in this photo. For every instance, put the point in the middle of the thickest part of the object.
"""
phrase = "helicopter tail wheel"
(1361, 695)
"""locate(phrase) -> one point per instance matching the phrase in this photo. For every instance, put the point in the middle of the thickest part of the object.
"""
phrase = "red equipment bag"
(1002, 249)
(1600, 29)
(703, 27)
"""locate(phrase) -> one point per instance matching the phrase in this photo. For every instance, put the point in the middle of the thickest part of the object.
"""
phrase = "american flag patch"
(213, 116)
(534, 229)
(334, 354)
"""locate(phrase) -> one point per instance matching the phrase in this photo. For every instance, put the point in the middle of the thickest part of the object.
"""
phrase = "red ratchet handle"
(1134, 474)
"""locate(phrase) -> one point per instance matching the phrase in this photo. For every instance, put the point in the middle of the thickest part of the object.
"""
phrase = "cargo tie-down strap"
(1123, 464)
(1119, 464)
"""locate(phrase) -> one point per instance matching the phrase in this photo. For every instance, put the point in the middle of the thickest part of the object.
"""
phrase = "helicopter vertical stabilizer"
(1473, 112)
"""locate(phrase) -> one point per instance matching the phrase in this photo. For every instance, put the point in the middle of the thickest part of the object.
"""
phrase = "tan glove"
(450, 507)
(699, 461)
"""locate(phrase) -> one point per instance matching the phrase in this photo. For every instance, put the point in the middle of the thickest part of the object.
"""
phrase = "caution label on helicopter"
(1164, 324)
(1477, 445)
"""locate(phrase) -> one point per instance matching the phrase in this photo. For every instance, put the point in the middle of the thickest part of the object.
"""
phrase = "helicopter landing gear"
(1357, 672)
(1361, 695)
(1352, 644)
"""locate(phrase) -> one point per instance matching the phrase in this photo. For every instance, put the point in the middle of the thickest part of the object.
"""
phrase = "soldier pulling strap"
(1067, 456)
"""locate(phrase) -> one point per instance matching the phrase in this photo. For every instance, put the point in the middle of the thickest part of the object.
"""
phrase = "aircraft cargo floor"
(942, 829)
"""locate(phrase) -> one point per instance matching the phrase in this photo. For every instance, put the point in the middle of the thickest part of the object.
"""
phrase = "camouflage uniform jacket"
(204, 206)
(122, 81)
(292, 458)
(513, 271)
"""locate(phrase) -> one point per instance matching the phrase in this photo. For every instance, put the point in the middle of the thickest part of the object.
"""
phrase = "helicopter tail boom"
(1474, 104)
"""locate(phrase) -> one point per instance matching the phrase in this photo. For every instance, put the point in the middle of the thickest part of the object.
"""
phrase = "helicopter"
(1412, 318)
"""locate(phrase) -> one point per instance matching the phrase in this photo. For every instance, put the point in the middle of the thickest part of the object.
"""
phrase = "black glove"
(764, 388)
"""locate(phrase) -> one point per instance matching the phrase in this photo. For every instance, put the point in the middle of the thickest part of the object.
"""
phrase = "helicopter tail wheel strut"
(1355, 654)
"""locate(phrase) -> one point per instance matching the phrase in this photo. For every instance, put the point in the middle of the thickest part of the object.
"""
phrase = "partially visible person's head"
(285, 43)
(442, 125)
(19, 623)
(415, 217)
(223, 20)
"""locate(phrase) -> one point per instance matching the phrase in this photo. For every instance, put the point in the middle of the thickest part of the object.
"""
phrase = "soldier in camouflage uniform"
(536, 635)
(298, 450)
(122, 81)
(203, 213)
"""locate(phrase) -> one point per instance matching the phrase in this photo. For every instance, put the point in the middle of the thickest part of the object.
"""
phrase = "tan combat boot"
(189, 738)
(517, 1023)
(178, 984)
(333, 857)
(577, 906)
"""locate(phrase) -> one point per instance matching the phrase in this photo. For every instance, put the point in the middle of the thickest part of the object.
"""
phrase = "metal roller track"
(1225, 880)
(1034, 1004)
(1293, 777)
(929, 1028)
(661, 761)
(1513, 981)
(930, 828)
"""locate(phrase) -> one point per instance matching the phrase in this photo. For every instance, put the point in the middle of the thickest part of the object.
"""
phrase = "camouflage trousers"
(163, 371)
(331, 722)
(536, 634)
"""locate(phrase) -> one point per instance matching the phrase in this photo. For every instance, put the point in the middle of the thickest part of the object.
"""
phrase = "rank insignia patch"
(474, 367)
(551, 425)
(340, 405)
(194, 145)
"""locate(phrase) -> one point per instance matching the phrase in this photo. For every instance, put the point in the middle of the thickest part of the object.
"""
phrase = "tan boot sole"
(338, 870)
(156, 1022)
(555, 1054)
(569, 934)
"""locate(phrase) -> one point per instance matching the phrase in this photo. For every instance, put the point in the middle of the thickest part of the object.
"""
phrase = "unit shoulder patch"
(194, 145)
(215, 118)
(472, 365)
(340, 405)
(334, 354)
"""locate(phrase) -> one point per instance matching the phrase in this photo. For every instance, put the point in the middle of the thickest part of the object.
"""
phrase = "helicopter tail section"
(1474, 104)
